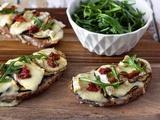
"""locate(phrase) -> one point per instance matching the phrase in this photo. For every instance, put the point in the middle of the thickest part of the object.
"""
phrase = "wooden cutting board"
(59, 103)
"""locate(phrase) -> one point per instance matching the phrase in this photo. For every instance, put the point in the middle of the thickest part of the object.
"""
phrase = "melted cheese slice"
(123, 89)
(5, 19)
(62, 62)
(79, 87)
(9, 88)
(19, 27)
(37, 74)
(55, 33)
(6, 89)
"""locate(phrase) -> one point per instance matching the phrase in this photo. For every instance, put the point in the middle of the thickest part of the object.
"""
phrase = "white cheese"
(8, 88)
(62, 62)
(37, 74)
(42, 34)
(47, 51)
(44, 16)
(76, 82)
(5, 19)
(4, 5)
(19, 27)
(57, 32)
(79, 87)
(124, 88)
(93, 96)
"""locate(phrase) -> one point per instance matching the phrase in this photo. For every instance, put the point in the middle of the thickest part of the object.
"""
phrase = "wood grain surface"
(59, 103)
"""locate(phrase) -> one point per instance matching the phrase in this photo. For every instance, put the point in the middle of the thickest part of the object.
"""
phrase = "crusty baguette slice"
(16, 90)
(128, 90)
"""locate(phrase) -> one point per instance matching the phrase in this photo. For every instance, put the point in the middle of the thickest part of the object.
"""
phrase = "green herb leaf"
(7, 70)
(40, 24)
(136, 64)
(109, 16)
(116, 75)
(27, 59)
(101, 84)
(9, 11)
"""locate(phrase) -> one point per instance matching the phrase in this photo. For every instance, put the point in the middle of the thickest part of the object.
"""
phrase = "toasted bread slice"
(29, 26)
(110, 85)
(27, 79)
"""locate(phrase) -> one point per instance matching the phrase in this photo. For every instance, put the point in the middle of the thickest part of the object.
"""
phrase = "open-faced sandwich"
(30, 26)
(113, 84)
(25, 76)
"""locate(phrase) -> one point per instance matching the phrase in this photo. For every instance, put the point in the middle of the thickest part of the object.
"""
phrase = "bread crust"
(44, 43)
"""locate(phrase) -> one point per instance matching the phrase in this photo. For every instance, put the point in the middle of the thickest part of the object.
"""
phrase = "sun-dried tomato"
(13, 7)
(51, 62)
(36, 13)
(93, 87)
(24, 73)
(104, 70)
(55, 56)
(19, 18)
(33, 29)
(112, 80)
(131, 75)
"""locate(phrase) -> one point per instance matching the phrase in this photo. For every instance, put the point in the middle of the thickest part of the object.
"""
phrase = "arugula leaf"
(9, 11)
(137, 65)
(116, 75)
(107, 21)
(40, 24)
(8, 69)
(101, 84)
(27, 59)
(108, 16)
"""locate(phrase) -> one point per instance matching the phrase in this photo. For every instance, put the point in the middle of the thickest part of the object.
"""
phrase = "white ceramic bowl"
(109, 44)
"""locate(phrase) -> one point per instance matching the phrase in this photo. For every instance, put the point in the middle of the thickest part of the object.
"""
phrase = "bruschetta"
(25, 76)
(30, 26)
(113, 84)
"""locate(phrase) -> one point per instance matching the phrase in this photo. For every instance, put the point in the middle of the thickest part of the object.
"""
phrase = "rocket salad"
(109, 16)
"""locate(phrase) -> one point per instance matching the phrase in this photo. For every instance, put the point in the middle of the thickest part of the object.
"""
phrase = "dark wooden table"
(59, 103)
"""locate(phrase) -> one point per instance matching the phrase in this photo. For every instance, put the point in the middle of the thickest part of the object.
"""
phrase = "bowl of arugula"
(109, 27)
